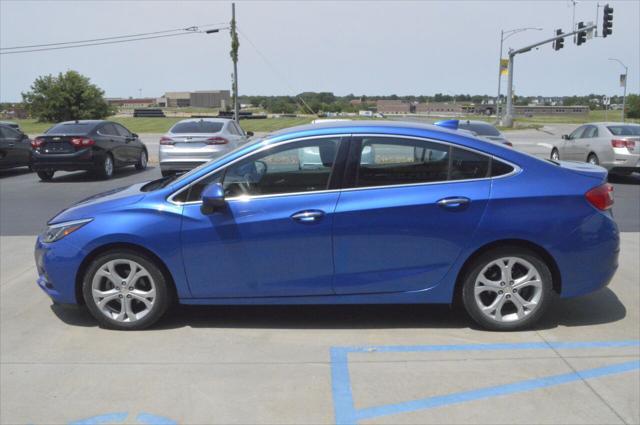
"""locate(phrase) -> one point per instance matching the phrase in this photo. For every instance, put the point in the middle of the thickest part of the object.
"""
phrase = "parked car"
(470, 221)
(190, 143)
(15, 148)
(12, 124)
(612, 145)
(484, 129)
(95, 145)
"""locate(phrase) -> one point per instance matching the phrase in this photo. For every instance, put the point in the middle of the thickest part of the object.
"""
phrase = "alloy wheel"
(555, 155)
(143, 159)
(108, 166)
(508, 289)
(123, 290)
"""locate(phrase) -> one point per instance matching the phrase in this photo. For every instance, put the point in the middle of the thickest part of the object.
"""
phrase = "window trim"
(349, 160)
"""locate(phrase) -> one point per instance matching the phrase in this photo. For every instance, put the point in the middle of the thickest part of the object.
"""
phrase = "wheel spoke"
(524, 283)
(515, 300)
(148, 303)
(103, 297)
(128, 308)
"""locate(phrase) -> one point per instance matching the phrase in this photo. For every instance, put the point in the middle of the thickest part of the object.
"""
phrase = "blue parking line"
(108, 418)
(346, 413)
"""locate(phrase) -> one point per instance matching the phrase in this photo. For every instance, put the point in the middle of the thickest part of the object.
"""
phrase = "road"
(306, 364)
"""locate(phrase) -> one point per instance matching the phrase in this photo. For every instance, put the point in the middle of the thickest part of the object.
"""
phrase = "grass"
(161, 125)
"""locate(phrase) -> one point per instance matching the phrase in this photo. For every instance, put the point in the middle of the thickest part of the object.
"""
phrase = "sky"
(359, 47)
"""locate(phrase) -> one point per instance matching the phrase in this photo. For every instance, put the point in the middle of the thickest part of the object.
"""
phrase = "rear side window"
(468, 165)
(196, 127)
(108, 130)
(499, 168)
(387, 161)
(624, 130)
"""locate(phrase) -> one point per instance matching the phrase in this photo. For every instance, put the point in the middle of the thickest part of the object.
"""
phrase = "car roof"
(610, 123)
(345, 126)
(221, 120)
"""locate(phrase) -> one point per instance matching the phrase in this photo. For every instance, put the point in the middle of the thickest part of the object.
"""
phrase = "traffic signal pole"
(507, 121)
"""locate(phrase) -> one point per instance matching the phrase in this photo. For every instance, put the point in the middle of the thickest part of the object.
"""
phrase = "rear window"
(197, 127)
(71, 128)
(480, 129)
(625, 130)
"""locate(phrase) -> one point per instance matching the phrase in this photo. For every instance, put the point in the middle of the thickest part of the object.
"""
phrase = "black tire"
(46, 175)
(593, 159)
(557, 154)
(161, 301)
(103, 171)
(142, 160)
(469, 281)
(167, 173)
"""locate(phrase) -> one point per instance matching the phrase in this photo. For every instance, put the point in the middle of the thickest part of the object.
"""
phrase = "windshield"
(480, 129)
(625, 130)
(71, 128)
(196, 127)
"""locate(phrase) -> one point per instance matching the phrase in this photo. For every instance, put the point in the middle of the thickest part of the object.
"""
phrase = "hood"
(105, 201)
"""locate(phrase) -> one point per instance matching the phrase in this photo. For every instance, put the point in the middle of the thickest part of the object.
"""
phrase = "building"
(131, 102)
(530, 111)
(438, 108)
(175, 99)
(393, 107)
(210, 99)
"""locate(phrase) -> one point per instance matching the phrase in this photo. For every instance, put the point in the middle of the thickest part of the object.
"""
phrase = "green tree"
(633, 106)
(69, 96)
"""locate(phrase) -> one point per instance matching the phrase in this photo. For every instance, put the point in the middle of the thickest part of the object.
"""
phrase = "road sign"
(606, 100)
(623, 80)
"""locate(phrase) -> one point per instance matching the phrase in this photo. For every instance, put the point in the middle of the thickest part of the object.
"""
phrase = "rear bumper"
(81, 160)
(623, 161)
(180, 165)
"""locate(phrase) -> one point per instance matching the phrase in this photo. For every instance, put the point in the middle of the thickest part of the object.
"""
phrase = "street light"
(503, 36)
(624, 96)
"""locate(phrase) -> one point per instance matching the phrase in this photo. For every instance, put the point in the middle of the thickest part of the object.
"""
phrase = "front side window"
(122, 131)
(303, 166)
(590, 132)
(577, 133)
(388, 161)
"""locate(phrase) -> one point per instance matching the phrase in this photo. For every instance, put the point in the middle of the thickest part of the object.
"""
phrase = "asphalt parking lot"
(309, 365)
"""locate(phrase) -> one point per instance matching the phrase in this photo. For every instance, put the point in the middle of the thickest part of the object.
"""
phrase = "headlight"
(57, 231)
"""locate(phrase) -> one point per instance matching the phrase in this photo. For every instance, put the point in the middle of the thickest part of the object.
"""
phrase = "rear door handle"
(453, 202)
(308, 216)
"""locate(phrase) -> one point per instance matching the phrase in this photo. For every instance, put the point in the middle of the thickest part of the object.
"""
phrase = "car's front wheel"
(45, 175)
(507, 289)
(125, 290)
(555, 155)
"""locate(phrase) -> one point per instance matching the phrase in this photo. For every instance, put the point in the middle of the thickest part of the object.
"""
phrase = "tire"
(167, 173)
(122, 304)
(593, 159)
(104, 170)
(142, 161)
(555, 155)
(533, 298)
(46, 175)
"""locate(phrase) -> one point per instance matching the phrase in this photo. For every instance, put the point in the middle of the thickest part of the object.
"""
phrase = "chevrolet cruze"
(433, 215)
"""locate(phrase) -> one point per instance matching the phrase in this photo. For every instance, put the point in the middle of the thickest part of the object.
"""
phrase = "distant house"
(196, 99)
(438, 108)
(131, 102)
(393, 107)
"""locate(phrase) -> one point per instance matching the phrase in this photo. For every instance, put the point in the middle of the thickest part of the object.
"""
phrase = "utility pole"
(624, 95)
(235, 44)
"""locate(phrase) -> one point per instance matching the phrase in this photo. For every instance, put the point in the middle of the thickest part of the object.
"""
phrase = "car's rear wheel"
(46, 175)
(555, 155)
(593, 159)
(507, 289)
(142, 161)
(125, 290)
(166, 173)
(105, 169)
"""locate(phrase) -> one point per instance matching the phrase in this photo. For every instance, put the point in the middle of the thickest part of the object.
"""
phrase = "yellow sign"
(504, 66)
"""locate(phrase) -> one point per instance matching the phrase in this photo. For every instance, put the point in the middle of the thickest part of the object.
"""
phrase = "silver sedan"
(192, 142)
(612, 145)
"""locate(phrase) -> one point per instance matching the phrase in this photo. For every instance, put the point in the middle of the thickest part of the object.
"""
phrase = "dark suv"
(94, 145)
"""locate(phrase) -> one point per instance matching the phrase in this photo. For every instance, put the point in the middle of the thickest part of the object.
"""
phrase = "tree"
(633, 106)
(69, 96)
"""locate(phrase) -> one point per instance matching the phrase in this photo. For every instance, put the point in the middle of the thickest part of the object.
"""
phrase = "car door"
(7, 158)
(274, 236)
(113, 142)
(132, 147)
(571, 148)
(235, 133)
(408, 214)
(584, 145)
(14, 148)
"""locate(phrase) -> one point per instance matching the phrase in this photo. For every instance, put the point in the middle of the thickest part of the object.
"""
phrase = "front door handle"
(308, 216)
(453, 202)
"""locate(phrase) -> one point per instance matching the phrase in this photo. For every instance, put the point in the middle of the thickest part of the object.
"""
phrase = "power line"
(112, 40)
(275, 71)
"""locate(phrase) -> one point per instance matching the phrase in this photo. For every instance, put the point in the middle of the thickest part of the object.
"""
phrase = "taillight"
(82, 142)
(216, 141)
(37, 142)
(619, 143)
(167, 141)
(601, 197)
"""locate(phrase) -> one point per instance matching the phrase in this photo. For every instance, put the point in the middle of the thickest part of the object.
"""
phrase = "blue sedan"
(431, 215)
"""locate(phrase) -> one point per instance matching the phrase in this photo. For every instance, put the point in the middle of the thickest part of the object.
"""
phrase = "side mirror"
(212, 198)
(249, 133)
(134, 135)
(565, 137)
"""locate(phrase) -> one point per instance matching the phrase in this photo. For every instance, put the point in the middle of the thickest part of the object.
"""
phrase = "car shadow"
(633, 179)
(12, 172)
(594, 309)
(88, 176)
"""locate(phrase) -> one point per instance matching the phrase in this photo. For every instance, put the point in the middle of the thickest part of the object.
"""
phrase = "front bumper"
(84, 159)
(57, 264)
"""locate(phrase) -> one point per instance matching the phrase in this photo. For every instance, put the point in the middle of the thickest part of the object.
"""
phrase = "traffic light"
(582, 35)
(607, 20)
(559, 43)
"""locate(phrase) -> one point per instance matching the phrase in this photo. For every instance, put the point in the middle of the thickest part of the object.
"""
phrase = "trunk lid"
(57, 144)
(585, 169)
